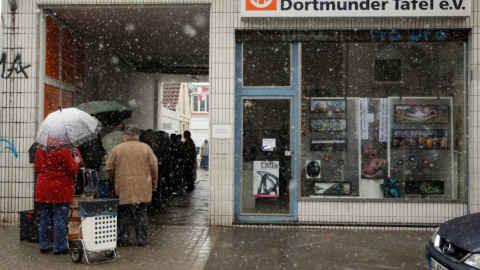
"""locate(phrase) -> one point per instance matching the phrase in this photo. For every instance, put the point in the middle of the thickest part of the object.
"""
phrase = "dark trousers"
(53, 214)
(132, 212)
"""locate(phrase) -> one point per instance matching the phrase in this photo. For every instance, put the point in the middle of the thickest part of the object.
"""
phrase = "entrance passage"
(266, 162)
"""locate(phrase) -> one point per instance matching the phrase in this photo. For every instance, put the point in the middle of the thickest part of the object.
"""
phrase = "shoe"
(63, 252)
(46, 250)
(142, 244)
(124, 244)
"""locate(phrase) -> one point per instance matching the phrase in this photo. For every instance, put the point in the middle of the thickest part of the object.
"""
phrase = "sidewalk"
(342, 249)
(180, 238)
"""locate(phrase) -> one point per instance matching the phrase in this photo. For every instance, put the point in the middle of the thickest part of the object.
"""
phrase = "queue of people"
(148, 164)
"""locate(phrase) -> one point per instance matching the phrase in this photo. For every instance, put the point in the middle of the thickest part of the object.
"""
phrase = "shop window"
(388, 64)
(266, 64)
(382, 119)
(52, 49)
(79, 63)
(52, 99)
(68, 56)
(388, 70)
(64, 65)
(67, 99)
(200, 104)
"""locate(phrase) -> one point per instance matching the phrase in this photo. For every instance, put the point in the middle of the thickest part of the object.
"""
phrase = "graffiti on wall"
(10, 146)
(16, 66)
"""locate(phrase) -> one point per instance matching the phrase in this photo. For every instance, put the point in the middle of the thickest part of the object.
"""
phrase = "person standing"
(204, 155)
(190, 158)
(133, 169)
(176, 158)
(92, 153)
(54, 191)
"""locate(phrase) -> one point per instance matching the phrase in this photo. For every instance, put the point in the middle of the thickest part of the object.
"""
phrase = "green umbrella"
(109, 113)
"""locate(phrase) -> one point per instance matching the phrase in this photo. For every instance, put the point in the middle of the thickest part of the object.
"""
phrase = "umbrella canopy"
(66, 128)
(109, 113)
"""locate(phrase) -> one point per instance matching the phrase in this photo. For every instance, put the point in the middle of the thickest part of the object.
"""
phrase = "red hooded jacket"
(55, 170)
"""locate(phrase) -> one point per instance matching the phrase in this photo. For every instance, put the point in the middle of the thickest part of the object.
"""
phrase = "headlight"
(473, 261)
(436, 238)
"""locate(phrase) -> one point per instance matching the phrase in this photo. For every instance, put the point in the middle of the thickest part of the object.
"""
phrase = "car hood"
(463, 232)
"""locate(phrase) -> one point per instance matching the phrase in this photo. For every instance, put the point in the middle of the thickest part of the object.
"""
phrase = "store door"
(266, 163)
(266, 139)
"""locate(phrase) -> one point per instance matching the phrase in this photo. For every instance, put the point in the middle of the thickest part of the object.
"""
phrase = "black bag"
(97, 206)
(29, 223)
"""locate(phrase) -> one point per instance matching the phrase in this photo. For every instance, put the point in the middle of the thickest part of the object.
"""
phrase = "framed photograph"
(313, 169)
(329, 106)
(420, 139)
(328, 124)
(424, 187)
(332, 188)
(328, 145)
(421, 114)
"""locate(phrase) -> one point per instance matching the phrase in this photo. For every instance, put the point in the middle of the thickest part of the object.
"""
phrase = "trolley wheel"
(110, 253)
(76, 251)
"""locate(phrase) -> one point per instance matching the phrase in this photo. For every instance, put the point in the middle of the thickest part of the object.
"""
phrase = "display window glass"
(383, 112)
(384, 118)
(266, 64)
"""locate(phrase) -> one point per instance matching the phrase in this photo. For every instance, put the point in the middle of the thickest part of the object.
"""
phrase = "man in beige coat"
(133, 168)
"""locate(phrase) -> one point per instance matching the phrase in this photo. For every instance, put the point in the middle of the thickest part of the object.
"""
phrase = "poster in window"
(328, 124)
(420, 139)
(268, 144)
(313, 168)
(328, 145)
(332, 188)
(424, 187)
(265, 179)
(329, 106)
(374, 162)
(421, 114)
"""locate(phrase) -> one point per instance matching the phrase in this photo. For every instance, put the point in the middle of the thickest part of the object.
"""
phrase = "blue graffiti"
(10, 146)
(413, 35)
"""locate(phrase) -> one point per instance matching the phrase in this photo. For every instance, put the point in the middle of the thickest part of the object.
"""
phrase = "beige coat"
(133, 168)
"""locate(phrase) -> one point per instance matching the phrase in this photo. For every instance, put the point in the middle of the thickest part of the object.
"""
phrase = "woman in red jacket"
(54, 191)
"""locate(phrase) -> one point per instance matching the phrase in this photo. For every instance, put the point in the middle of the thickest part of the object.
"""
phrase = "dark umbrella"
(109, 113)
(32, 151)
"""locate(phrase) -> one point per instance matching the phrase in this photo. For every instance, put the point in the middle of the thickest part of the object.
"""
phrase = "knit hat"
(131, 130)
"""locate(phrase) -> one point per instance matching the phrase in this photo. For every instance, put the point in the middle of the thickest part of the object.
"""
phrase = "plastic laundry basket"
(99, 232)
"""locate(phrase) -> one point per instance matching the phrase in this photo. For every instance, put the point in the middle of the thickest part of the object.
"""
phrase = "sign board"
(222, 131)
(268, 144)
(354, 8)
(265, 179)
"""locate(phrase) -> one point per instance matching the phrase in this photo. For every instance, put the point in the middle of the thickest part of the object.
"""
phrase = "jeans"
(92, 187)
(55, 214)
(138, 213)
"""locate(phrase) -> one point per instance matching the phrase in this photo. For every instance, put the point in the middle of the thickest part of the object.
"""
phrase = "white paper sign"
(265, 179)
(383, 129)
(222, 131)
(364, 118)
(268, 144)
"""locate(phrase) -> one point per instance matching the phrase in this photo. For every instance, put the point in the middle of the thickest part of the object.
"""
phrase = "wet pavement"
(345, 249)
(180, 238)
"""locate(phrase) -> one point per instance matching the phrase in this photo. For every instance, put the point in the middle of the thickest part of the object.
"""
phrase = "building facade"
(319, 114)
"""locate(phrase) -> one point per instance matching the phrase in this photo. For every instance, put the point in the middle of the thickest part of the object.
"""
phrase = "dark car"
(455, 244)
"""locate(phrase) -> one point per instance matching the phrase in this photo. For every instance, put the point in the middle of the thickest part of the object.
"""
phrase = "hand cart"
(97, 232)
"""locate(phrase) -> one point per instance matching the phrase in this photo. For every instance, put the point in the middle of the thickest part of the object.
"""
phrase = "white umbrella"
(67, 128)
